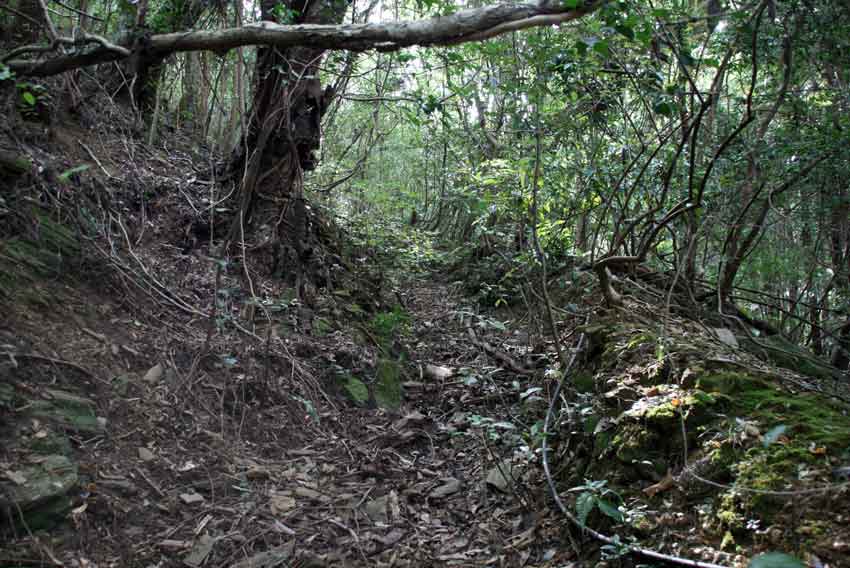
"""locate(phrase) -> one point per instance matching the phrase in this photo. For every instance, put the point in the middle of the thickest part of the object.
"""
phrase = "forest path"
(212, 455)
(428, 487)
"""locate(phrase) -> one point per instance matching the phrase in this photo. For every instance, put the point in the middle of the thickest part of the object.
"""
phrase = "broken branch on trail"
(469, 25)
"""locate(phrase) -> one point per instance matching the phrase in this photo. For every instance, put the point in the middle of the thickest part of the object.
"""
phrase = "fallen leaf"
(154, 374)
(663, 485)
(377, 510)
(256, 473)
(437, 372)
(146, 455)
(200, 550)
(450, 487)
(175, 544)
(393, 537)
(191, 498)
(500, 476)
(308, 493)
(281, 503)
(16, 477)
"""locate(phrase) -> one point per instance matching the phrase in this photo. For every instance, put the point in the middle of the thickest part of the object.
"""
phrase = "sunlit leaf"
(584, 505)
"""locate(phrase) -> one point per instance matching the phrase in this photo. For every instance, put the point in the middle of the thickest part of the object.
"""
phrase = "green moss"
(643, 525)
(814, 528)
(322, 327)
(388, 392)
(590, 422)
(809, 417)
(728, 541)
(45, 253)
(759, 469)
(639, 339)
(7, 395)
(722, 456)
(53, 443)
(662, 412)
(44, 498)
(811, 421)
(634, 443)
(727, 514)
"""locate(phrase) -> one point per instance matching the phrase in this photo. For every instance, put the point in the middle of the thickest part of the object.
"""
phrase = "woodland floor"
(172, 482)
(236, 445)
(226, 437)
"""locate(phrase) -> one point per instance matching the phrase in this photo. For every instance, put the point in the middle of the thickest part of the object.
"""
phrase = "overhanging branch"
(464, 26)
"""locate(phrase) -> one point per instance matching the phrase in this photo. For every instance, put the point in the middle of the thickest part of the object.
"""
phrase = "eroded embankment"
(710, 452)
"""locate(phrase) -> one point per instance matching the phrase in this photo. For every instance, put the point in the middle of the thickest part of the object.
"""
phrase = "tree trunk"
(28, 22)
(284, 130)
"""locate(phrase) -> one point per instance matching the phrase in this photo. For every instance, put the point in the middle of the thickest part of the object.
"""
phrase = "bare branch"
(468, 25)
(85, 38)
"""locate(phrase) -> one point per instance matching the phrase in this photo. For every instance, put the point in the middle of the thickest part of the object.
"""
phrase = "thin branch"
(76, 11)
(85, 38)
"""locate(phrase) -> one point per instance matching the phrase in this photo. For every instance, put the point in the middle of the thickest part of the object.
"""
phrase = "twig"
(80, 12)
(52, 360)
(150, 482)
(93, 157)
(497, 355)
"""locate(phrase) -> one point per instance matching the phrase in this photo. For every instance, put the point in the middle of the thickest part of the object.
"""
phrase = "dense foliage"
(703, 139)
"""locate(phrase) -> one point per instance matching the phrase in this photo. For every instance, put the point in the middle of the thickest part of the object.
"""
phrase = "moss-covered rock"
(68, 410)
(40, 492)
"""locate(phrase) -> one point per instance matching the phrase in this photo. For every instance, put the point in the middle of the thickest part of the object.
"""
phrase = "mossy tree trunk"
(284, 127)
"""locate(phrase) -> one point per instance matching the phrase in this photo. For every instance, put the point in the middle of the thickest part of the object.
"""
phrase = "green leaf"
(601, 47)
(773, 434)
(28, 98)
(644, 35)
(581, 48)
(584, 505)
(572, 4)
(66, 175)
(775, 560)
(610, 510)
(663, 108)
(626, 31)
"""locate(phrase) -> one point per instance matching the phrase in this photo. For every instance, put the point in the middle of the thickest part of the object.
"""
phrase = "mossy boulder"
(39, 491)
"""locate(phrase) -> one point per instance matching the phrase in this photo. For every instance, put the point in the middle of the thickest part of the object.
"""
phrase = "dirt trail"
(201, 466)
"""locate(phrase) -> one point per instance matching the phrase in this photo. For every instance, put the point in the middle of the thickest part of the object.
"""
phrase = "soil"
(211, 463)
